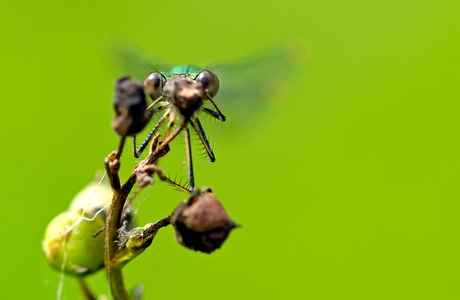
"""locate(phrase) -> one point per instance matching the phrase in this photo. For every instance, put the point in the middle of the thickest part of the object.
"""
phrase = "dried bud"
(69, 245)
(201, 223)
(130, 107)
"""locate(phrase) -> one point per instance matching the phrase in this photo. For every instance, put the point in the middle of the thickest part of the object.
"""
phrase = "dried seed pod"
(69, 244)
(201, 223)
(130, 107)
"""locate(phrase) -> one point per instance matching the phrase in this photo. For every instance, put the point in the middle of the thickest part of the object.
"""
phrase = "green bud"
(93, 197)
(69, 244)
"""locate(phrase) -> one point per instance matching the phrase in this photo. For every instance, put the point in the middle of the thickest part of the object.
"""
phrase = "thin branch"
(120, 194)
(85, 289)
(137, 242)
(156, 226)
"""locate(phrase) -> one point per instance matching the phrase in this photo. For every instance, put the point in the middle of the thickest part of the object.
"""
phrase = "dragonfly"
(185, 91)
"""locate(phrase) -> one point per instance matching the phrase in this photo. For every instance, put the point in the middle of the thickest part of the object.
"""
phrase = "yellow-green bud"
(93, 197)
(69, 244)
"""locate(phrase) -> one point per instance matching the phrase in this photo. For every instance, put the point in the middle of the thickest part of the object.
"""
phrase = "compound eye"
(153, 85)
(209, 81)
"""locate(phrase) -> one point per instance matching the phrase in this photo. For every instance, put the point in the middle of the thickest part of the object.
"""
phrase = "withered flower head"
(201, 223)
(130, 107)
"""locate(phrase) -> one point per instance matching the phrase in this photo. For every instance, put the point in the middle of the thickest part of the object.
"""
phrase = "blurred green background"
(347, 190)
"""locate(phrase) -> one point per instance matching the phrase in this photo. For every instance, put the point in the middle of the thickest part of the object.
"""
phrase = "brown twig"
(152, 229)
(120, 194)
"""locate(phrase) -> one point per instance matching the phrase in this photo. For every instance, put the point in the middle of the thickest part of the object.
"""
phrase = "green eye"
(153, 85)
(209, 81)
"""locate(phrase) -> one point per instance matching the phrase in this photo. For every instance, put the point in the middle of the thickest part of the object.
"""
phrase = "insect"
(245, 88)
(181, 94)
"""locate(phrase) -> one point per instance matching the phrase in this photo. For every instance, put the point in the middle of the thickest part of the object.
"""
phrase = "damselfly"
(181, 94)
(185, 91)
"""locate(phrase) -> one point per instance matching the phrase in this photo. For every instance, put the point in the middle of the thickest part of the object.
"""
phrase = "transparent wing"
(247, 86)
(250, 85)
(129, 61)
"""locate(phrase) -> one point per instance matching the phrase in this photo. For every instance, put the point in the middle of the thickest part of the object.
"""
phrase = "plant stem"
(120, 194)
(85, 289)
(156, 226)
(113, 223)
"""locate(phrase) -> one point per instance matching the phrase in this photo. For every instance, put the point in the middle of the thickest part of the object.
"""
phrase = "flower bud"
(201, 223)
(93, 197)
(130, 107)
(69, 244)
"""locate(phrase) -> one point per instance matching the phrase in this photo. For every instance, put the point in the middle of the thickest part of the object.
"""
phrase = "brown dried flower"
(201, 223)
(130, 107)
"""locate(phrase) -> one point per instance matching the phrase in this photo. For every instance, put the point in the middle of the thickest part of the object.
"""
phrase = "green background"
(348, 189)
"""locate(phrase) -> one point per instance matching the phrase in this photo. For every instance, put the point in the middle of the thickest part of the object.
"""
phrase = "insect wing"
(130, 61)
(247, 86)
(250, 85)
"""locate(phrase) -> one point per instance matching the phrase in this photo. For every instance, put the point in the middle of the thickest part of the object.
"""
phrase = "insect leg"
(188, 148)
(178, 186)
(213, 114)
(151, 134)
(221, 115)
(204, 140)
(151, 107)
